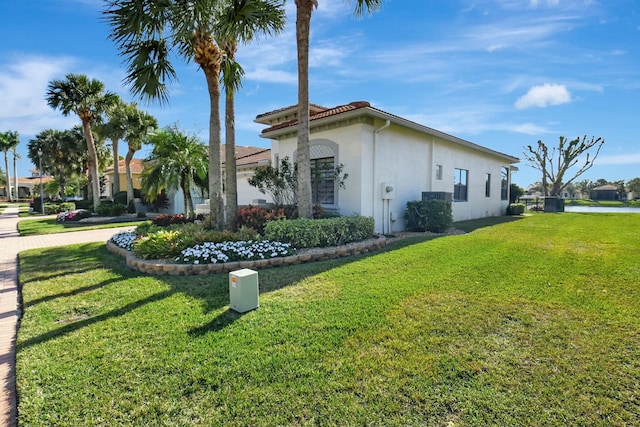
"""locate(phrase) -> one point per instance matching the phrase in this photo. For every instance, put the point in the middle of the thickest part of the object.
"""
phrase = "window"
(487, 185)
(322, 181)
(504, 184)
(460, 185)
(439, 172)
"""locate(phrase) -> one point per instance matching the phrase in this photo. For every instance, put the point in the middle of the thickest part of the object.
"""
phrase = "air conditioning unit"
(437, 195)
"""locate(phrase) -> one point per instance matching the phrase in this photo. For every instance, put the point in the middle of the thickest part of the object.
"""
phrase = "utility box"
(243, 290)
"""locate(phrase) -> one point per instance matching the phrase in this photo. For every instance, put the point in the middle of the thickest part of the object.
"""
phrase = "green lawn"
(528, 322)
(30, 227)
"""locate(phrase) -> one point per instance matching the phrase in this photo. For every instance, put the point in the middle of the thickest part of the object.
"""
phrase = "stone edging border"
(167, 268)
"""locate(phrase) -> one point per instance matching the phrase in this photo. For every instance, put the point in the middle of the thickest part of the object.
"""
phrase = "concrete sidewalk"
(10, 245)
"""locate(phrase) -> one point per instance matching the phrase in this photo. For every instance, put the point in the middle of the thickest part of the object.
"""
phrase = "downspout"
(375, 183)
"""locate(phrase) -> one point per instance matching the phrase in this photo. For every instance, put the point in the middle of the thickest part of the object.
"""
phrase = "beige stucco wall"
(406, 159)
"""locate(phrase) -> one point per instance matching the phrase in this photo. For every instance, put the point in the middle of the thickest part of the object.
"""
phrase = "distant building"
(605, 192)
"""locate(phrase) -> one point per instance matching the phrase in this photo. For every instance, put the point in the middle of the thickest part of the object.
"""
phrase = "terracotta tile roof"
(322, 114)
(279, 110)
(245, 155)
(136, 166)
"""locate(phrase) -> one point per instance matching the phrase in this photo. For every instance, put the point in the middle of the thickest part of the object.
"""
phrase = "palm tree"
(115, 130)
(146, 33)
(177, 161)
(88, 99)
(235, 32)
(9, 140)
(16, 156)
(139, 125)
(304, 8)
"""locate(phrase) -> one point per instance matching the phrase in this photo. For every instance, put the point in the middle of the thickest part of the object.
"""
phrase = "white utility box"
(243, 290)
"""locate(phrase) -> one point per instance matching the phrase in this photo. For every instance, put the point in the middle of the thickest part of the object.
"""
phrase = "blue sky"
(499, 73)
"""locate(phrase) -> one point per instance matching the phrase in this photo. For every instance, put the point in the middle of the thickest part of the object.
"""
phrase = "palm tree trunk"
(15, 175)
(93, 164)
(231, 189)
(188, 201)
(7, 187)
(127, 171)
(215, 164)
(303, 23)
(116, 167)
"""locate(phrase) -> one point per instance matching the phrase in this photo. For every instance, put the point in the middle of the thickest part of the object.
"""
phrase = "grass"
(528, 322)
(30, 227)
(605, 203)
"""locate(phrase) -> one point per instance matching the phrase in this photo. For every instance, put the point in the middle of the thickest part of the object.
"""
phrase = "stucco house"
(136, 176)
(605, 192)
(390, 161)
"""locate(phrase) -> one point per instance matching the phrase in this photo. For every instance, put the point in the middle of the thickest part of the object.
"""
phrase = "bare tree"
(556, 162)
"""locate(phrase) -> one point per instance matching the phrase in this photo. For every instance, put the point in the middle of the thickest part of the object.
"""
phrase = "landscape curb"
(166, 267)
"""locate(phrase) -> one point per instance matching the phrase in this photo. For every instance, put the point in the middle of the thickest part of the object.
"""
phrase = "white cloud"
(23, 84)
(543, 96)
(624, 159)
(271, 76)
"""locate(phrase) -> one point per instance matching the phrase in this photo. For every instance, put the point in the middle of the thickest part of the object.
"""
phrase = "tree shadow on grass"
(63, 261)
(474, 224)
(213, 289)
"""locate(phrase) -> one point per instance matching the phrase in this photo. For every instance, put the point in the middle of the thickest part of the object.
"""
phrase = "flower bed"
(122, 242)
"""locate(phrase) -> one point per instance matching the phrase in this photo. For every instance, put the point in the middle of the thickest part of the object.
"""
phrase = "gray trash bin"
(243, 290)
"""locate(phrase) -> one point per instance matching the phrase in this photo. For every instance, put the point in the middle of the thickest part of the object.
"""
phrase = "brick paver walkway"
(10, 245)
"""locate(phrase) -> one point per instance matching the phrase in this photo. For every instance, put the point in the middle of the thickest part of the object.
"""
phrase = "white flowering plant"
(124, 239)
(212, 253)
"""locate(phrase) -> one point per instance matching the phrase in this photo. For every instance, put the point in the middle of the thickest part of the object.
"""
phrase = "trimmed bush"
(111, 209)
(120, 198)
(310, 233)
(67, 206)
(167, 220)
(429, 215)
(515, 209)
(256, 217)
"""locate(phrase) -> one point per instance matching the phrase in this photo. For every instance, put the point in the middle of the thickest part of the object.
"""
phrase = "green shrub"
(120, 198)
(67, 206)
(429, 215)
(515, 209)
(112, 209)
(51, 208)
(256, 217)
(159, 245)
(145, 228)
(309, 233)
(167, 220)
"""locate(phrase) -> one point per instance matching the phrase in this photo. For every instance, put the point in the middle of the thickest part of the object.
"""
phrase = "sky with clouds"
(500, 73)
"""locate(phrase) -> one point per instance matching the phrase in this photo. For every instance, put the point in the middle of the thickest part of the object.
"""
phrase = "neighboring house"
(136, 176)
(390, 161)
(605, 192)
(247, 160)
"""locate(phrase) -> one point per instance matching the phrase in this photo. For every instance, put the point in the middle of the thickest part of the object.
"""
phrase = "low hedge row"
(311, 233)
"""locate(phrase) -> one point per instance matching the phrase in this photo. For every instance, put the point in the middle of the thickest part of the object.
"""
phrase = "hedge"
(311, 233)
